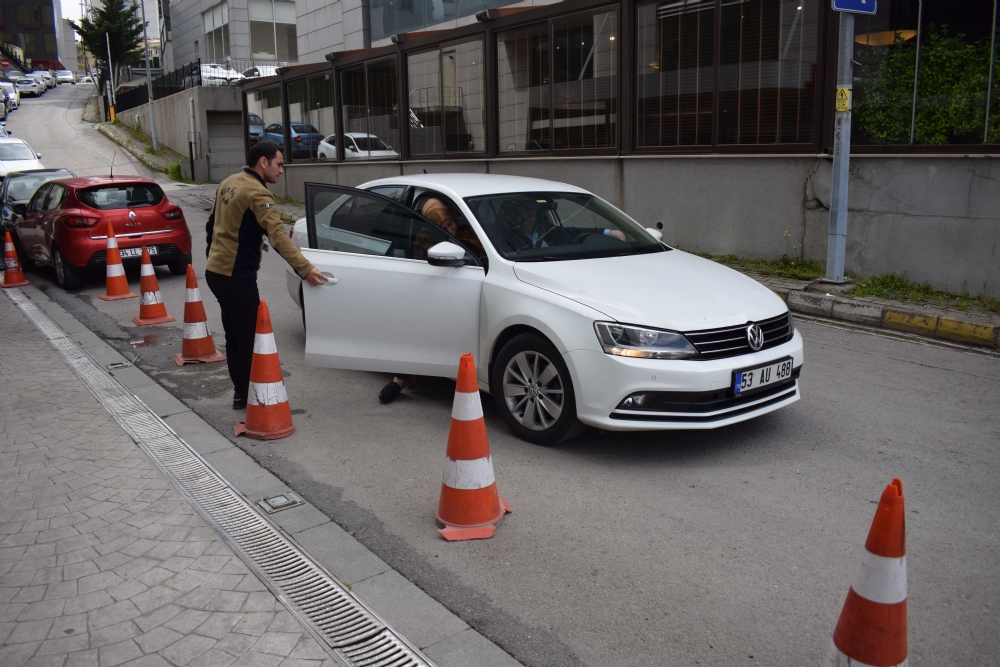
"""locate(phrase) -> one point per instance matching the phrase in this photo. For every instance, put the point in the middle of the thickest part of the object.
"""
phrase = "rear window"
(304, 128)
(126, 195)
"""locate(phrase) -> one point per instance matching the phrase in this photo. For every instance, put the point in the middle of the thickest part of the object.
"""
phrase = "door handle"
(331, 279)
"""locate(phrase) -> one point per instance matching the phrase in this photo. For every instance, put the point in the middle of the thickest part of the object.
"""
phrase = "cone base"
(456, 533)
(241, 429)
(10, 285)
(153, 320)
(108, 297)
(180, 359)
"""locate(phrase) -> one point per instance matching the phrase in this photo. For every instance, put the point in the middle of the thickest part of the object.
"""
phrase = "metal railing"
(11, 55)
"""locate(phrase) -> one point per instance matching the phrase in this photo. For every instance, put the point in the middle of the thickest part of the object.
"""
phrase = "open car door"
(385, 308)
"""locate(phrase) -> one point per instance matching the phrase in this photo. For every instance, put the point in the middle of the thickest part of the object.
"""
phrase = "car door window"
(393, 192)
(346, 220)
(55, 197)
(36, 203)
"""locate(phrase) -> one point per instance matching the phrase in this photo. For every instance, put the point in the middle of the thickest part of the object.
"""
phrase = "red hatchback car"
(65, 226)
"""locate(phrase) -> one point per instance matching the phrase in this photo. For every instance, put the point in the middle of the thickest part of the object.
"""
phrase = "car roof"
(472, 185)
(89, 181)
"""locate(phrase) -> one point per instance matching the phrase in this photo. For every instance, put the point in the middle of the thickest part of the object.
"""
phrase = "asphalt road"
(728, 547)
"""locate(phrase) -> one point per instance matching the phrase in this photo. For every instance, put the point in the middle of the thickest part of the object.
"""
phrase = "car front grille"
(732, 341)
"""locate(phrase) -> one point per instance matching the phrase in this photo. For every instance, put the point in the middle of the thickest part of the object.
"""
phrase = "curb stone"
(124, 140)
(945, 324)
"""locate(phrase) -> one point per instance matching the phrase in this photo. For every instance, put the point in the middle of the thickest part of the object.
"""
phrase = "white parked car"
(29, 86)
(14, 93)
(65, 76)
(576, 314)
(16, 155)
(357, 146)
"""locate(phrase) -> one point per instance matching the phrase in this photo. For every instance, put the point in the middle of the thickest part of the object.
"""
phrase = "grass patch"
(785, 267)
(899, 288)
(145, 139)
(174, 174)
(288, 201)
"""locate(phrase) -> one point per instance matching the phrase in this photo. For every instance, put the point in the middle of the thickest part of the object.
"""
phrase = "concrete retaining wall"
(936, 219)
(173, 120)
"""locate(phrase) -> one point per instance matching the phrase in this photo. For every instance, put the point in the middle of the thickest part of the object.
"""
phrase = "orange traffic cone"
(269, 416)
(151, 308)
(197, 346)
(117, 283)
(872, 625)
(470, 506)
(13, 276)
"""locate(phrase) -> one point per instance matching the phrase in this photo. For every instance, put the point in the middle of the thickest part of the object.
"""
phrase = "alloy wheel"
(533, 390)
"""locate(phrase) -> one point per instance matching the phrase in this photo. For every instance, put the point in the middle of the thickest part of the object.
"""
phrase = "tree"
(120, 20)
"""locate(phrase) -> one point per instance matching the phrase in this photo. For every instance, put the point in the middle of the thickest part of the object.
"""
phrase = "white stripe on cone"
(8, 246)
(264, 344)
(192, 294)
(467, 406)
(115, 270)
(147, 270)
(469, 475)
(267, 393)
(836, 658)
(112, 242)
(150, 298)
(195, 330)
(880, 579)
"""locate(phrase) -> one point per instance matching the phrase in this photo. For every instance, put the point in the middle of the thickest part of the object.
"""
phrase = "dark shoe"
(389, 392)
(239, 403)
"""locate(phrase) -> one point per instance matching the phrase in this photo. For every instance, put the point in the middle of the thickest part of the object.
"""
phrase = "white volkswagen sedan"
(576, 314)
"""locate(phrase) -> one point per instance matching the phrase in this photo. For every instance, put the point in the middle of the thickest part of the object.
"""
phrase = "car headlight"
(627, 341)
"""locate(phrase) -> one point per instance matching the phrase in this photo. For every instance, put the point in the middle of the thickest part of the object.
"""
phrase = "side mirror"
(655, 233)
(446, 253)
(38, 155)
(20, 209)
(352, 149)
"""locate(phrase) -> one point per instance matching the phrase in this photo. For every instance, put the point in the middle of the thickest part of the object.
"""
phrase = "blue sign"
(855, 6)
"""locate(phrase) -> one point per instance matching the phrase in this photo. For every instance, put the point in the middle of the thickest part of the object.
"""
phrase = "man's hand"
(314, 277)
(617, 234)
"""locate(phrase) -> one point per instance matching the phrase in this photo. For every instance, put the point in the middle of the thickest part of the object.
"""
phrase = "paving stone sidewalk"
(102, 562)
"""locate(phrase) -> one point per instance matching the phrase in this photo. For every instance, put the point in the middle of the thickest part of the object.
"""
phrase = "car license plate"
(747, 381)
(136, 252)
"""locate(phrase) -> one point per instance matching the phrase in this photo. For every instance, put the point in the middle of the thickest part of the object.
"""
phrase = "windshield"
(254, 119)
(371, 144)
(16, 152)
(553, 226)
(21, 188)
(126, 195)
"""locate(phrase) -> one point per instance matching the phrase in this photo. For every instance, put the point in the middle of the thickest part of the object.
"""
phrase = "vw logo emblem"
(131, 215)
(755, 336)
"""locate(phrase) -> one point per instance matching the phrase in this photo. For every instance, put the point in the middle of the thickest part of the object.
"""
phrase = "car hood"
(667, 290)
(7, 166)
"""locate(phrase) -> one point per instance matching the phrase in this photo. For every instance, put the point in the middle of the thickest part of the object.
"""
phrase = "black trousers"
(238, 299)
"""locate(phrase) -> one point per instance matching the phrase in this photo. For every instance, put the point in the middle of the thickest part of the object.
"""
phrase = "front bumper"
(701, 391)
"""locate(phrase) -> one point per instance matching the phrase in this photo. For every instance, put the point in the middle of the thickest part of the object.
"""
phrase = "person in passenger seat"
(444, 217)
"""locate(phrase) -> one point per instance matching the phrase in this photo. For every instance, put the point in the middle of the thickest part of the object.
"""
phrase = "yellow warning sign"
(843, 99)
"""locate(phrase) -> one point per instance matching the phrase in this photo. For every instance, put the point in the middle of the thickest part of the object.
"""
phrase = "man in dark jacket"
(244, 214)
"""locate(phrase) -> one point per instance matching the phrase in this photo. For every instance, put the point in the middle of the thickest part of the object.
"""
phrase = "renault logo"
(755, 336)
(131, 215)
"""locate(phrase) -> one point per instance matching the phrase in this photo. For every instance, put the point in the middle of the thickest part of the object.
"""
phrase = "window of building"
(29, 16)
(558, 89)
(310, 112)
(264, 111)
(272, 30)
(946, 97)
(767, 71)
(369, 101)
(390, 17)
(216, 24)
(445, 97)
(675, 68)
(50, 44)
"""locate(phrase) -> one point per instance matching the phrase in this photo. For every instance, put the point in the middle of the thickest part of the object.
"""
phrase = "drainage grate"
(352, 633)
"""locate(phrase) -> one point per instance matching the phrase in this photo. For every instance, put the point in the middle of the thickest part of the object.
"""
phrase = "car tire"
(545, 413)
(179, 268)
(67, 275)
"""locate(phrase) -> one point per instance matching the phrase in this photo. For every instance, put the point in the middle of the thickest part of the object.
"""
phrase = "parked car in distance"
(255, 127)
(19, 186)
(65, 76)
(86, 79)
(305, 138)
(30, 86)
(12, 91)
(357, 146)
(65, 226)
(583, 318)
(16, 155)
(219, 75)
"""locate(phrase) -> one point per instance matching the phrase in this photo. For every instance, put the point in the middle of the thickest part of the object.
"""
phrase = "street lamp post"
(149, 78)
